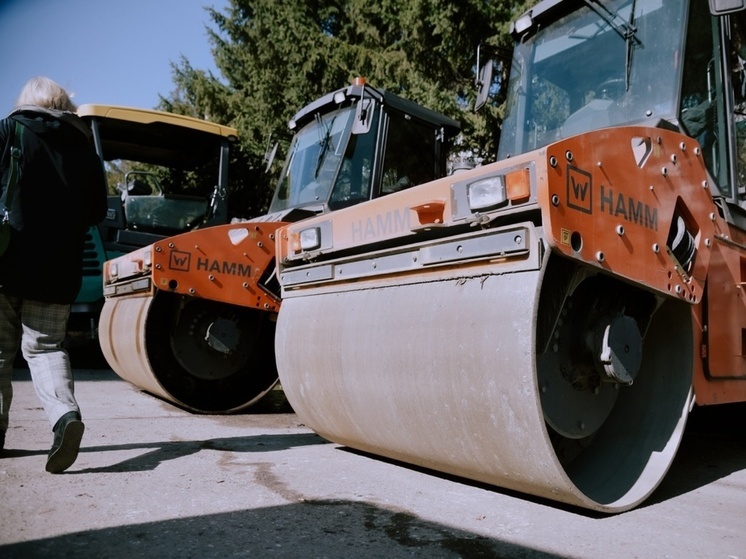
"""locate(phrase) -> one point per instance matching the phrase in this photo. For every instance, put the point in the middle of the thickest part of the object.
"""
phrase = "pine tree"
(275, 56)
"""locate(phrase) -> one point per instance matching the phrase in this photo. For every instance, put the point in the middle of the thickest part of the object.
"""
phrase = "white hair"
(46, 93)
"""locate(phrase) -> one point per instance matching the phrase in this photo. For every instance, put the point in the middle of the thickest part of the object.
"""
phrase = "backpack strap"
(15, 156)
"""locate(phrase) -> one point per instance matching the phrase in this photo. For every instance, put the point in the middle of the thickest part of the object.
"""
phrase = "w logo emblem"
(179, 260)
(579, 190)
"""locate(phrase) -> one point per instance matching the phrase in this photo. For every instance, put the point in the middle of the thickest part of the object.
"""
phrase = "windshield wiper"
(325, 135)
(625, 29)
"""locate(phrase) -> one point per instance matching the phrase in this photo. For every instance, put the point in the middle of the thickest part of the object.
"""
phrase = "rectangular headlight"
(310, 238)
(486, 193)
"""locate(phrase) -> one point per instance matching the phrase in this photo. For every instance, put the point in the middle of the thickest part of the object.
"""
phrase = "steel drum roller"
(122, 340)
(443, 374)
(202, 355)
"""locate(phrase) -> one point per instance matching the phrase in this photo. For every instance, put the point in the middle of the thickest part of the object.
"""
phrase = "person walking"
(59, 194)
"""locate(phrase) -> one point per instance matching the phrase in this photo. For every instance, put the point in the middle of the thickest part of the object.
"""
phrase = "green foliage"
(275, 56)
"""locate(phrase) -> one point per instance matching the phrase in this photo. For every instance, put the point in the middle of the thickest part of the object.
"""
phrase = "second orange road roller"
(191, 318)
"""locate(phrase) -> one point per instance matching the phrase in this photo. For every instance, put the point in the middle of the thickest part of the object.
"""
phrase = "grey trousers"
(39, 329)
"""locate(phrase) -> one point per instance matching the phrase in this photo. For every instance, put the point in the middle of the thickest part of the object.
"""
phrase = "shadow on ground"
(159, 452)
(330, 529)
(713, 447)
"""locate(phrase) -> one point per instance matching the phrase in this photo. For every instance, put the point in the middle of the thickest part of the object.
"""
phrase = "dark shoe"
(2, 441)
(68, 432)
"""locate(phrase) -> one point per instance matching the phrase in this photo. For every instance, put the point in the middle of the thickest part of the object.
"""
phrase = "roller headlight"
(310, 239)
(486, 193)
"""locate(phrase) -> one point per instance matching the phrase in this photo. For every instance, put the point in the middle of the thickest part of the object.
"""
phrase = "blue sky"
(104, 51)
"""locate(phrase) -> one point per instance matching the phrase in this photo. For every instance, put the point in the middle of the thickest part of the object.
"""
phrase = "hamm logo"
(579, 190)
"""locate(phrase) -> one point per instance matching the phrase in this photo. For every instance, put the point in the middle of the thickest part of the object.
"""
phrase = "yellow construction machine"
(166, 174)
(545, 323)
(191, 318)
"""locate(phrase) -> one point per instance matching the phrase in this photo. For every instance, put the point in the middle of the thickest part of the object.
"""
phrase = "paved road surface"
(155, 481)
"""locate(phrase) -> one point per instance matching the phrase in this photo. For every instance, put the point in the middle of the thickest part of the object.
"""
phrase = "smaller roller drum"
(202, 355)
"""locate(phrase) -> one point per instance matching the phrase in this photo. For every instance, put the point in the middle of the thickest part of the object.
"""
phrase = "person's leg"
(10, 337)
(44, 328)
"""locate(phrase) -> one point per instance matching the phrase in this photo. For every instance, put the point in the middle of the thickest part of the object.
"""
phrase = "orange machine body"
(225, 263)
(610, 207)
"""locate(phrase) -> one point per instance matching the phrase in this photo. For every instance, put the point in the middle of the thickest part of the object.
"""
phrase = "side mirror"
(363, 116)
(484, 83)
(722, 7)
(488, 84)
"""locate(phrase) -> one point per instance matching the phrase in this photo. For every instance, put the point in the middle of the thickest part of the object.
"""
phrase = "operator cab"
(166, 173)
(680, 65)
(359, 143)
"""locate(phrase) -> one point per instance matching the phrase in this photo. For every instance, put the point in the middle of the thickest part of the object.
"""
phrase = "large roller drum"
(550, 380)
(203, 355)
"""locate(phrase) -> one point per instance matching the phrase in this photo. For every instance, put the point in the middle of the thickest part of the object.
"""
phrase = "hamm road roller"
(545, 323)
(191, 318)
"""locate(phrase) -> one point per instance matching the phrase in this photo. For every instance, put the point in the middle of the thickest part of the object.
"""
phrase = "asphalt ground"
(155, 481)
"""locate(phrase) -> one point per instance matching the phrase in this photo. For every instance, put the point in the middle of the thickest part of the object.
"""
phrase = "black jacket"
(61, 191)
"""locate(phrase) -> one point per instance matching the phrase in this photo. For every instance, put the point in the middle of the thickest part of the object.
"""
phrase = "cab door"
(715, 74)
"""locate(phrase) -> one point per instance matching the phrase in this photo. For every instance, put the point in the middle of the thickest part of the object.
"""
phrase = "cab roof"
(156, 137)
(362, 89)
(148, 116)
